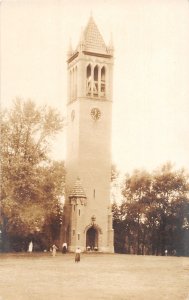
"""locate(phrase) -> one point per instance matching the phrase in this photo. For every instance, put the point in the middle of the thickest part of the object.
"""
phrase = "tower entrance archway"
(92, 238)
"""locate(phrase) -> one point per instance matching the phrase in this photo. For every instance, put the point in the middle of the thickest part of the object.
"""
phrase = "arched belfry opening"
(92, 238)
(95, 88)
(89, 81)
(103, 82)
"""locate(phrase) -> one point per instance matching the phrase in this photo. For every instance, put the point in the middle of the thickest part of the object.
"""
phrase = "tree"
(136, 191)
(114, 172)
(154, 215)
(28, 193)
(170, 189)
(119, 232)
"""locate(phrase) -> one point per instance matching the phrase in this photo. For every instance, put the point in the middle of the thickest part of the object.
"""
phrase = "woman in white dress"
(54, 248)
(30, 247)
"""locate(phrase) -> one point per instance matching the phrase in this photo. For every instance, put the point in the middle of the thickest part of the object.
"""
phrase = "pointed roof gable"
(77, 191)
(91, 42)
(92, 38)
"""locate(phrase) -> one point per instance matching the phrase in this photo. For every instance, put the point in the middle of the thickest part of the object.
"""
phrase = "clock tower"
(87, 218)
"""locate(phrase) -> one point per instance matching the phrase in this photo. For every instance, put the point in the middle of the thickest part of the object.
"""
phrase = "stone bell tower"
(87, 219)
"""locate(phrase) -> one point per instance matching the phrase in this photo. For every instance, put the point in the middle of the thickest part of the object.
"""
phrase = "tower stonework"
(87, 219)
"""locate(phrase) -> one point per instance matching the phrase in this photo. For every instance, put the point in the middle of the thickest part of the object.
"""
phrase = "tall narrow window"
(103, 83)
(95, 86)
(71, 85)
(89, 81)
(75, 83)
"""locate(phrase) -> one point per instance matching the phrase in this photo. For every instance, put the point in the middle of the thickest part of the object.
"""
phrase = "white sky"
(151, 70)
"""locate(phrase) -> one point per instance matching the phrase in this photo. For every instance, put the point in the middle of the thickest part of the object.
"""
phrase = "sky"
(150, 122)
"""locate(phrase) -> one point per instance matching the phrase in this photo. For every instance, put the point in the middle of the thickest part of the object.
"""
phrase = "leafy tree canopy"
(155, 212)
(31, 184)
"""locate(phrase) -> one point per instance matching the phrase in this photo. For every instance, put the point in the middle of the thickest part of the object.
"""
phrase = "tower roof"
(91, 42)
(92, 39)
(77, 191)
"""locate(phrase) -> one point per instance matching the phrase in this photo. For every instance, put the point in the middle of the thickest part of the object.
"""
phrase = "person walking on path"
(77, 254)
(54, 248)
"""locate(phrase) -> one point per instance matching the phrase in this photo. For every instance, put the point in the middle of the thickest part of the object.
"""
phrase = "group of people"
(173, 252)
(54, 248)
(64, 250)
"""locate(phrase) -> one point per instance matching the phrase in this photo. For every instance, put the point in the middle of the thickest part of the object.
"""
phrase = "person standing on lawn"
(77, 254)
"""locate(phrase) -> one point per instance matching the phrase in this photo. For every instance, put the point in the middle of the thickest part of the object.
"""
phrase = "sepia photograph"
(94, 160)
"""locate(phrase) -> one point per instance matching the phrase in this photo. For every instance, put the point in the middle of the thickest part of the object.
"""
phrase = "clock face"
(95, 113)
(72, 115)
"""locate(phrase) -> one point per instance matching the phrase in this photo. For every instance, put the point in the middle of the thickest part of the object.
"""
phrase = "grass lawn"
(96, 276)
